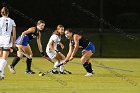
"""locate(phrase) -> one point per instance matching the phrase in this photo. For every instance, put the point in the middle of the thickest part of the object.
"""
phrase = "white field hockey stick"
(15, 49)
(47, 72)
(47, 57)
(26, 55)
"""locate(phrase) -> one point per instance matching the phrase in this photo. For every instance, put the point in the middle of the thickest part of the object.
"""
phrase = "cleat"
(55, 72)
(62, 72)
(29, 72)
(1, 77)
(11, 68)
(88, 74)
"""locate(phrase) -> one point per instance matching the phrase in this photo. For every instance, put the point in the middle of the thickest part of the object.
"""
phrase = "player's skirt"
(51, 54)
(25, 40)
(90, 47)
(5, 42)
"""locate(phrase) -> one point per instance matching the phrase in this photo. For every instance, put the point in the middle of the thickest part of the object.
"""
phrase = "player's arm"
(54, 38)
(51, 45)
(76, 46)
(39, 43)
(30, 30)
(69, 53)
(13, 35)
(62, 46)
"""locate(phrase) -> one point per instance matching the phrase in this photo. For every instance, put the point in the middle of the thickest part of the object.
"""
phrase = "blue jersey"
(28, 37)
(85, 44)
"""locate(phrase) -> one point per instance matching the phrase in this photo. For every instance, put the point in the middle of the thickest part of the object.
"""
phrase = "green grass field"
(105, 80)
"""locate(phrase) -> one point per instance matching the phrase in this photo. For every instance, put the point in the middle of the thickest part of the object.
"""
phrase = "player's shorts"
(25, 40)
(51, 54)
(5, 42)
(90, 47)
(5, 48)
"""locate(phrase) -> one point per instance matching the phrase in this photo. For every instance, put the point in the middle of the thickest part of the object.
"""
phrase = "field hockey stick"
(13, 50)
(67, 71)
(47, 57)
(47, 72)
(26, 55)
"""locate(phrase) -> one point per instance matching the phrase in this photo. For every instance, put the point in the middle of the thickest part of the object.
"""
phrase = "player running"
(7, 38)
(88, 48)
(22, 43)
(52, 50)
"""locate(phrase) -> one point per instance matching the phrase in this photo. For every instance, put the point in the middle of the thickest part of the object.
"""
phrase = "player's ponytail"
(59, 26)
(40, 21)
(4, 11)
(70, 30)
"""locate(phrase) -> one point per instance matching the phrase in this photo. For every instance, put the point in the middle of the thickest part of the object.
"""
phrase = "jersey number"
(6, 26)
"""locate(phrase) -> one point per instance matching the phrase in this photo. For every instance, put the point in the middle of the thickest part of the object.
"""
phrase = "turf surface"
(112, 75)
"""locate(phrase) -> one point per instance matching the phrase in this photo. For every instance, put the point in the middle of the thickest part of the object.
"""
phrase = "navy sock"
(86, 66)
(90, 68)
(28, 62)
(15, 61)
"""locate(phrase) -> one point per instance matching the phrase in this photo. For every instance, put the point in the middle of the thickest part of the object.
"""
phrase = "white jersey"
(6, 26)
(56, 39)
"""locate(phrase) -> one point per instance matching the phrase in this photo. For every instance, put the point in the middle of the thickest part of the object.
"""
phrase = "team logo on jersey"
(34, 36)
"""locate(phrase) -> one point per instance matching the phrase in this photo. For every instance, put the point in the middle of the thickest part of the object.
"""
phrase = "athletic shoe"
(93, 72)
(29, 72)
(55, 72)
(62, 72)
(1, 77)
(11, 68)
(88, 74)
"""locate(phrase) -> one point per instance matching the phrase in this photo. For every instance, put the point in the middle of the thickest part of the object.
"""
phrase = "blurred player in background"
(52, 50)
(22, 43)
(7, 38)
(88, 48)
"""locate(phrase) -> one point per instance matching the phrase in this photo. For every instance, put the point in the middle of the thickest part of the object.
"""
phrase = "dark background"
(121, 14)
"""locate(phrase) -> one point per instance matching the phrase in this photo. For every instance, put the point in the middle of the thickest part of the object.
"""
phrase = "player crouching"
(52, 50)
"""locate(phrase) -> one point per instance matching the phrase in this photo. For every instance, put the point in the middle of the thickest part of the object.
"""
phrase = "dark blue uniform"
(28, 37)
(84, 44)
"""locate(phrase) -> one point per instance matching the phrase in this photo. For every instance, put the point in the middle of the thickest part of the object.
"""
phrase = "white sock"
(62, 66)
(3, 63)
(55, 65)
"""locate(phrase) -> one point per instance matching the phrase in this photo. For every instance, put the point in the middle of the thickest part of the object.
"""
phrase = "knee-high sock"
(62, 66)
(15, 61)
(90, 68)
(28, 62)
(55, 65)
(3, 63)
(86, 66)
